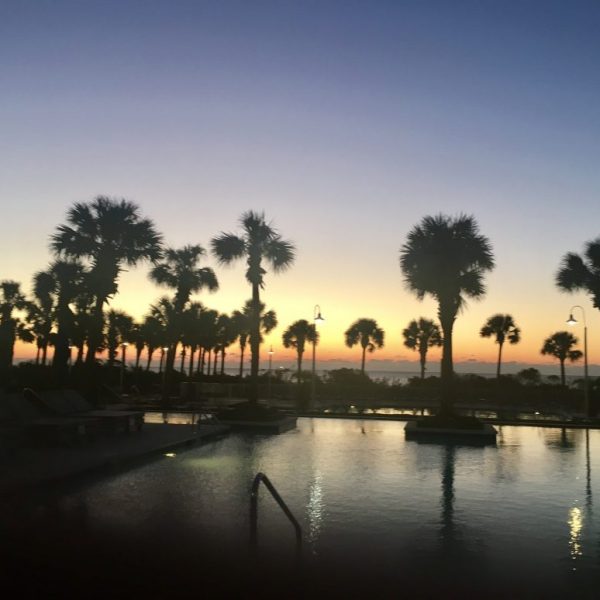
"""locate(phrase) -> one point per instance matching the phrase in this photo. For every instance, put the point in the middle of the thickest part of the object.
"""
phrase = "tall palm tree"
(582, 272)
(179, 270)
(191, 321)
(11, 326)
(259, 244)
(367, 334)
(420, 336)
(297, 335)
(109, 234)
(447, 258)
(207, 337)
(560, 346)
(503, 328)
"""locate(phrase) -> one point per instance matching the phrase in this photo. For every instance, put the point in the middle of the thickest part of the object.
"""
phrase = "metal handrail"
(261, 477)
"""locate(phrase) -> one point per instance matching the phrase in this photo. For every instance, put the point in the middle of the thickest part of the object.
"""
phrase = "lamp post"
(123, 354)
(586, 395)
(318, 318)
(269, 376)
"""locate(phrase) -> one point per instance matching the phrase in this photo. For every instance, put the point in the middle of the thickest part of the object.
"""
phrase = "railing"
(261, 477)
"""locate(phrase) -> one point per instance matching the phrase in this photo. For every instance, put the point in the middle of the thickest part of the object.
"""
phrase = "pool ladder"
(261, 477)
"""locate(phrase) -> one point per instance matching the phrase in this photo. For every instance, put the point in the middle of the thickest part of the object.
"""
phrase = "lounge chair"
(71, 404)
(43, 428)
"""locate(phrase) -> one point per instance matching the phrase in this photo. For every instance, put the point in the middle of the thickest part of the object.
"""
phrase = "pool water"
(514, 520)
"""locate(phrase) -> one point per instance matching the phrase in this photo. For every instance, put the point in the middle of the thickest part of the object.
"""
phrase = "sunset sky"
(345, 122)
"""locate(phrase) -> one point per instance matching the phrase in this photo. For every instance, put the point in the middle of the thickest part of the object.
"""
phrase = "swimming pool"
(518, 517)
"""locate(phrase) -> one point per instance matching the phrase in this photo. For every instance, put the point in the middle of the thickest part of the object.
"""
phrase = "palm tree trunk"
(299, 366)
(447, 315)
(499, 360)
(138, 356)
(191, 364)
(242, 348)
(255, 344)
(562, 372)
(182, 358)
(44, 353)
(423, 360)
(223, 361)
(215, 359)
(150, 353)
(362, 364)
(37, 355)
(95, 333)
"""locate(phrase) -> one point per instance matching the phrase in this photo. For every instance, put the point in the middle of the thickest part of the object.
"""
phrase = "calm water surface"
(521, 513)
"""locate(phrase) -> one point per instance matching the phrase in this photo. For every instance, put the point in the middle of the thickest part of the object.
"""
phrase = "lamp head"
(319, 318)
(571, 320)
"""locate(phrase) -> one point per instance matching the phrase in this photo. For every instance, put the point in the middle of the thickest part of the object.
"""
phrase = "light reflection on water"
(360, 490)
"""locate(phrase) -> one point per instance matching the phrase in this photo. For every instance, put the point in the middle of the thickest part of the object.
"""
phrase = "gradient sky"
(346, 122)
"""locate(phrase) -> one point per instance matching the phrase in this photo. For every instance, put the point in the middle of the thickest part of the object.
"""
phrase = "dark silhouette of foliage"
(12, 327)
(367, 334)
(529, 376)
(259, 244)
(503, 328)
(582, 272)
(109, 235)
(296, 336)
(420, 336)
(560, 346)
(446, 258)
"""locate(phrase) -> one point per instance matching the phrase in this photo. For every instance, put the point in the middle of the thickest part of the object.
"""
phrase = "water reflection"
(448, 530)
(315, 511)
(575, 523)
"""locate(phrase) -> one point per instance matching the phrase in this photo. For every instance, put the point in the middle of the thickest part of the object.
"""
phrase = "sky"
(345, 122)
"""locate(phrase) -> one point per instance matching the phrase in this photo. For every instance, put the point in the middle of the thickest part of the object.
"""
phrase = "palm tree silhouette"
(560, 346)
(118, 331)
(503, 328)
(179, 270)
(297, 335)
(368, 334)
(420, 336)
(259, 244)
(153, 334)
(446, 257)
(109, 234)
(71, 327)
(41, 312)
(11, 327)
(582, 273)
(241, 324)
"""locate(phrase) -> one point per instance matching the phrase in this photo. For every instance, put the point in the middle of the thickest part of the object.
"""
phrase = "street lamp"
(123, 354)
(318, 318)
(270, 365)
(586, 395)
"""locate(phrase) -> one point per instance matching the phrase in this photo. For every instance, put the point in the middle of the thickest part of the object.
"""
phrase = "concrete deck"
(29, 468)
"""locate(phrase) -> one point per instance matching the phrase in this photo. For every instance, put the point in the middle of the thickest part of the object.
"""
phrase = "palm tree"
(242, 326)
(421, 335)
(503, 328)
(296, 336)
(153, 333)
(179, 270)
(259, 244)
(447, 258)
(109, 234)
(582, 273)
(71, 328)
(368, 334)
(560, 346)
(118, 331)
(41, 312)
(11, 327)
(191, 321)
